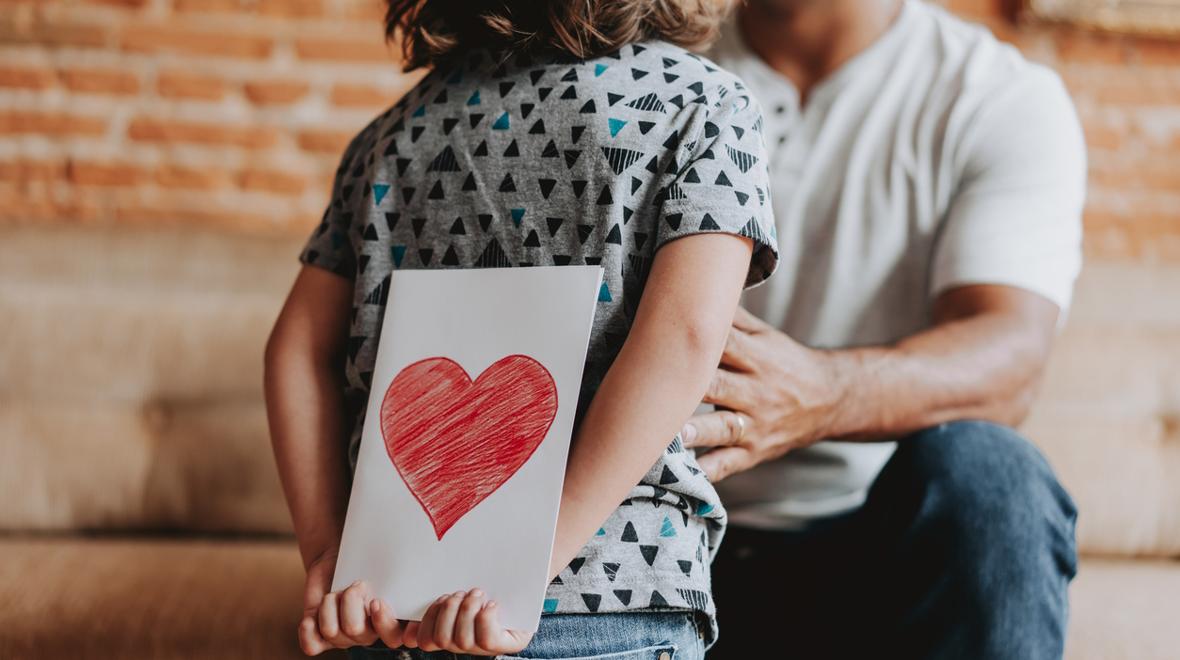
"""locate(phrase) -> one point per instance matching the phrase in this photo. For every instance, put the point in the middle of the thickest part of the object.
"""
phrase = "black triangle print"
(485, 221)
(391, 220)
(649, 553)
(695, 598)
(648, 102)
(445, 161)
(570, 76)
(611, 570)
(391, 149)
(691, 176)
(604, 197)
(685, 566)
(407, 194)
(640, 238)
(624, 596)
(506, 87)
(722, 180)
(546, 186)
(588, 107)
(424, 255)
(482, 149)
(620, 159)
(707, 224)
(677, 101)
(752, 230)
(370, 233)
(418, 224)
(526, 264)
(361, 262)
(636, 184)
(493, 256)
(627, 213)
(450, 258)
(697, 87)
(526, 109)
(711, 130)
(537, 128)
(653, 165)
(612, 98)
(579, 186)
(743, 160)
(741, 197)
(669, 62)
(592, 601)
(543, 93)
(571, 157)
(636, 74)
(561, 259)
(576, 133)
(594, 261)
(380, 295)
(576, 564)
(673, 220)
(512, 151)
(449, 125)
(476, 118)
(666, 477)
(402, 164)
(416, 132)
(738, 131)
(550, 150)
(354, 346)
(645, 126)
(673, 141)
(536, 75)
(437, 191)
(629, 535)
(584, 232)
(670, 77)
(457, 227)
(570, 92)
(532, 240)
(507, 185)
(614, 236)
(469, 183)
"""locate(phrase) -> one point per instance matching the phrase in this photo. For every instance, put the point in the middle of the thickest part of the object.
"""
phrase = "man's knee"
(987, 490)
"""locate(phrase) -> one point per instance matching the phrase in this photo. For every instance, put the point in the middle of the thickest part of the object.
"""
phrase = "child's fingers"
(487, 628)
(410, 634)
(385, 623)
(426, 627)
(310, 640)
(354, 622)
(328, 620)
(464, 629)
(444, 625)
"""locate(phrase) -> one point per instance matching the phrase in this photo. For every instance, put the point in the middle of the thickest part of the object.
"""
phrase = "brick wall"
(231, 113)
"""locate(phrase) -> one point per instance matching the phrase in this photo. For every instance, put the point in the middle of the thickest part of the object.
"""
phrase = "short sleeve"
(329, 245)
(718, 181)
(1016, 218)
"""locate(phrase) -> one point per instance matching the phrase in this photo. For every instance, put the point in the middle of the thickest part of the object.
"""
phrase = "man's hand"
(463, 622)
(777, 395)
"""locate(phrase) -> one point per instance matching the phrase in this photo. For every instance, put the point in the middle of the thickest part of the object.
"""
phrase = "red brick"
(51, 29)
(1088, 48)
(275, 92)
(324, 141)
(50, 123)
(204, 178)
(292, 183)
(85, 173)
(27, 171)
(148, 129)
(1104, 136)
(361, 96)
(125, 4)
(278, 8)
(1159, 53)
(159, 37)
(31, 77)
(370, 49)
(100, 81)
(180, 84)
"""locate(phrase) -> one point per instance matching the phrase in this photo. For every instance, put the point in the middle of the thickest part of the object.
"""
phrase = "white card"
(463, 451)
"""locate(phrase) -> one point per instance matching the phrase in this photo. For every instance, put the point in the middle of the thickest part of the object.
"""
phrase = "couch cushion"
(1124, 610)
(150, 598)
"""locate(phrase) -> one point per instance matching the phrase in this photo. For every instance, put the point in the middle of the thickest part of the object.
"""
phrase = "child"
(568, 132)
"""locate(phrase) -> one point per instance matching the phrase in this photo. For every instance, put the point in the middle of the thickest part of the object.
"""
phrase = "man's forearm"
(985, 366)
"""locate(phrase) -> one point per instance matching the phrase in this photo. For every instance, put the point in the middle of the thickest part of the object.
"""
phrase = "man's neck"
(807, 40)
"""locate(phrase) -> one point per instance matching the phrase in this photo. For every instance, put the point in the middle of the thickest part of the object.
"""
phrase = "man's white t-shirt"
(935, 158)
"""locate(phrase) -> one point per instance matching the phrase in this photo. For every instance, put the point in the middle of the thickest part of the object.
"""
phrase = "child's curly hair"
(433, 30)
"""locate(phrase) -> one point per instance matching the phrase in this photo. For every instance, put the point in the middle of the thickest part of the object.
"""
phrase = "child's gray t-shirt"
(490, 164)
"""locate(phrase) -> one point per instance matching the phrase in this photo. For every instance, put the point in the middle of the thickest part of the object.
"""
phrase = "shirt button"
(665, 656)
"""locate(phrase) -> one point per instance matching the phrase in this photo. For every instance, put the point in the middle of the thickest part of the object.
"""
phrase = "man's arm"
(982, 358)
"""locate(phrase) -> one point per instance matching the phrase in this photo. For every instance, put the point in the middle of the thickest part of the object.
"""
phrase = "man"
(928, 184)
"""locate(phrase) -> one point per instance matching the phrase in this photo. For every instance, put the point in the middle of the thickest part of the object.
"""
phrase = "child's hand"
(462, 622)
(335, 619)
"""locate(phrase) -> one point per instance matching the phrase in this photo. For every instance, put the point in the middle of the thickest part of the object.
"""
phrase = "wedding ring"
(741, 425)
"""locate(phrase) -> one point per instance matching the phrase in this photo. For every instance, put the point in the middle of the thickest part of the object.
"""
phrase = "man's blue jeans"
(964, 549)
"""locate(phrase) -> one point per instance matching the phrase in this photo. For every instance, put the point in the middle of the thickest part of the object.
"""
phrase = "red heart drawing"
(454, 441)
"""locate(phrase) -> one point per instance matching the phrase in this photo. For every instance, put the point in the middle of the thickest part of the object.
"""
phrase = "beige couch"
(130, 410)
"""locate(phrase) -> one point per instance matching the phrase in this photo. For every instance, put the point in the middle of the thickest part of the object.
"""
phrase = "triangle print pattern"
(490, 164)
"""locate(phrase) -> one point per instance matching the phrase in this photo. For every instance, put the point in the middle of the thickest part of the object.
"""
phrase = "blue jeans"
(617, 636)
(964, 549)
